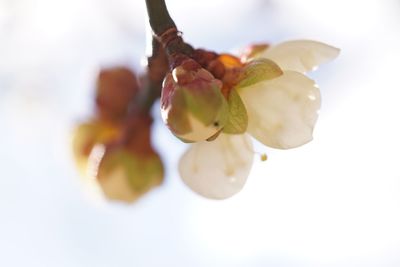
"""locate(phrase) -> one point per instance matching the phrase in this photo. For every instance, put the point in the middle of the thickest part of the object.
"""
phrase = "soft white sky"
(333, 202)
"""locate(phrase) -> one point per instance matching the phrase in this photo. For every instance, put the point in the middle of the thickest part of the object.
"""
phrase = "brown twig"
(157, 67)
(165, 30)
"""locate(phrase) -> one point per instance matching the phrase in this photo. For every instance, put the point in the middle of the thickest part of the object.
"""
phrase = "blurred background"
(332, 202)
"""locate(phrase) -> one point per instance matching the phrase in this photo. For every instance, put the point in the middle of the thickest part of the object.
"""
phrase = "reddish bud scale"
(216, 68)
(232, 77)
(224, 67)
(204, 57)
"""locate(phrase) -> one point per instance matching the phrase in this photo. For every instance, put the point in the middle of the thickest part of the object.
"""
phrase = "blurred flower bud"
(125, 176)
(192, 105)
(86, 136)
(131, 168)
(116, 88)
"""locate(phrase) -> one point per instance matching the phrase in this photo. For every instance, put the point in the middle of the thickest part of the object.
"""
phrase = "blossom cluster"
(218, 101)
(113, 149)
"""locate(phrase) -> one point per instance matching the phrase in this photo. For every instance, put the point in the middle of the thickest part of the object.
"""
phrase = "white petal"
(282, 111)
(217, 169)
(301, 55)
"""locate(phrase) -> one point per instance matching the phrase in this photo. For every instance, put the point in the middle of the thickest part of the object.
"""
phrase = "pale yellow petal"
(217, 169)
(282, 112)
(300, 55)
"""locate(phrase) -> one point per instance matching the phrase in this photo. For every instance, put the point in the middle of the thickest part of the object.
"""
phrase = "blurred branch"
(150, 91)
(157, 67)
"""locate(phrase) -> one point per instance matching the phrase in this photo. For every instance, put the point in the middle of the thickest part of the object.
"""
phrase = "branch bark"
(165, 30)
(157, 67)
(159, 17)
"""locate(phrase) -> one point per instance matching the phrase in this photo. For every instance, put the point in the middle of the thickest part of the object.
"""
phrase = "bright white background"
(333, 202)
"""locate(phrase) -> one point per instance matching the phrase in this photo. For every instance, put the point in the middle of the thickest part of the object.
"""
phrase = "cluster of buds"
(113, 149)
(215, 101)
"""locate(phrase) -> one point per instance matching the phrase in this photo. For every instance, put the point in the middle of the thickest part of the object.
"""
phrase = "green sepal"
(177, 117)
(237, 120)
(258, 70)
(207, 104)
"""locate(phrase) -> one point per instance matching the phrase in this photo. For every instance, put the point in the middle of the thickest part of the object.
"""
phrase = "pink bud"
(192, 105)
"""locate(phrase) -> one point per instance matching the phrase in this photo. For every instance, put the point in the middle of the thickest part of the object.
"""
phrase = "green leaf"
(237, 120)
(259, 70)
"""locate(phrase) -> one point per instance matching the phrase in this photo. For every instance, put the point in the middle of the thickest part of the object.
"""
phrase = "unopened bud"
(86, 136)
(192, 105)
(125, 176)
(116, 88)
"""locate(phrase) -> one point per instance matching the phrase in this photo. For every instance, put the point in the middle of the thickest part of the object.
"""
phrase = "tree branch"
(164, 29)
(159, 17)
(157, 67)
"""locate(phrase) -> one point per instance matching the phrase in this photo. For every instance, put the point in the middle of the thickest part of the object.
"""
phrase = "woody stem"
(157, 67)
(159, 17)
(165, 30)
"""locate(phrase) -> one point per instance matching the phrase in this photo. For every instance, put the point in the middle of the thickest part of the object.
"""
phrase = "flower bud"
(116, 88)
(192, 105)
(132, 167)
(86, 136)
(125, 175)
